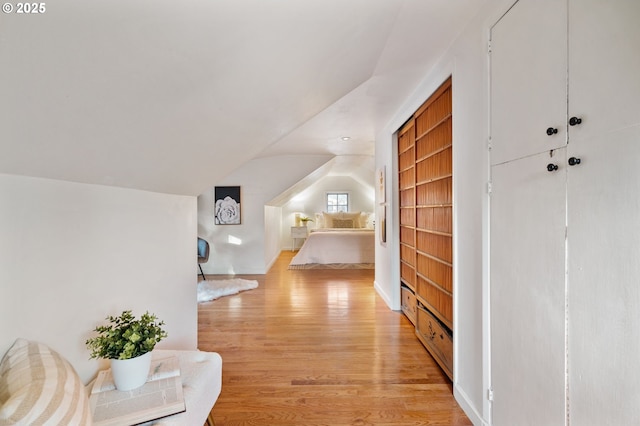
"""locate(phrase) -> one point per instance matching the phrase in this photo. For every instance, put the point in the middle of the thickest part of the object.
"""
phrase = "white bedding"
(337, 245)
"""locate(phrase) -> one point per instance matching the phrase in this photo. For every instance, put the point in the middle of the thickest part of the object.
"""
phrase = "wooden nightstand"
(298, 232)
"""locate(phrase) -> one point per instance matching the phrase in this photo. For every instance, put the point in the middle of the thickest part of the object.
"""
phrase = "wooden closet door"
(407, 192)
(604, 213)
(425, 167)
(434, 205)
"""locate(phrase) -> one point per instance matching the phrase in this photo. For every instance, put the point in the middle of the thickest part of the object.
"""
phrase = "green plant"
(305, 219)
(126, 337)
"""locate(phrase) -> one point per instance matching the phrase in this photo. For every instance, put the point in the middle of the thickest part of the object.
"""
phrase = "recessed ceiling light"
(346, 138)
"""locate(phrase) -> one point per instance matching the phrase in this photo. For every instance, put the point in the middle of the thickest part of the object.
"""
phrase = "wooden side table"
(298, 232)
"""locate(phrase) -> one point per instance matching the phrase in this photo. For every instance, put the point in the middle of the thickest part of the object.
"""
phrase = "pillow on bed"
(38, 386)
(343, 223)
(366, 220)
(354, 216)
(329, 219)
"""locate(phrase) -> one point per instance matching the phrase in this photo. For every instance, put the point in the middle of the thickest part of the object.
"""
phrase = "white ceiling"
(171, 96)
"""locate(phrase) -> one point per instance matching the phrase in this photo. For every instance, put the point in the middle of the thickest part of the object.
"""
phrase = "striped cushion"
(40, 387)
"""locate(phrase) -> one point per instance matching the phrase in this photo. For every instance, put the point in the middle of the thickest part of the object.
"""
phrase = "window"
(337, 202)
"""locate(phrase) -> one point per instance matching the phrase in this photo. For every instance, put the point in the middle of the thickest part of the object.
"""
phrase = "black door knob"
(551, 131)
(574, 161)
(552, 167)
(573, 121)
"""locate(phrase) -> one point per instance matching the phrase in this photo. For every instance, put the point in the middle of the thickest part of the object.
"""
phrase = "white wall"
(313, 200)
(71, 254)
(242, 249)
(273, 230)
(467, 62)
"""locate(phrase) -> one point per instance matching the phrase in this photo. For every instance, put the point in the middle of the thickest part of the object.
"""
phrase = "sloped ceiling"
(358, 167)
(171, 96)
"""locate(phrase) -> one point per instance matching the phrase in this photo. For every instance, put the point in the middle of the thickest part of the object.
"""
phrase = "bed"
(349, 245)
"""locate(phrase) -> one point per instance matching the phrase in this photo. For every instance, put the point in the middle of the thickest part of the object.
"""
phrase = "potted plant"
(127, 342)
(305, 219)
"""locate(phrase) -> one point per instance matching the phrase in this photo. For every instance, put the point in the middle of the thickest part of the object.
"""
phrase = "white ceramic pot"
(131, 373)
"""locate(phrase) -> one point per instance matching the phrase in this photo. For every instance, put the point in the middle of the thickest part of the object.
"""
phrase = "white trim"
(385, 297)
(463, 400)
(487, 406)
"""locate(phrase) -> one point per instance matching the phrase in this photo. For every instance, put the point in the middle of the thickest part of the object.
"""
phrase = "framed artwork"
(380, 176)
(381, 223)
(381, 216)
(227, 205)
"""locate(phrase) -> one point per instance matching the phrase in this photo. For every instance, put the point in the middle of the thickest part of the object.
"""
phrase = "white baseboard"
(385, 297)
(270, 264)
(463, 400)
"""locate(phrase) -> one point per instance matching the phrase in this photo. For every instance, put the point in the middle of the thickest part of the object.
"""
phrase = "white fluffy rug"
(213, 289)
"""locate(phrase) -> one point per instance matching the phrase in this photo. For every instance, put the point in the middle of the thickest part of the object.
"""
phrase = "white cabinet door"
(527, 267)
(604, 213)
(528, 79)
(604, 64)
(604, 281)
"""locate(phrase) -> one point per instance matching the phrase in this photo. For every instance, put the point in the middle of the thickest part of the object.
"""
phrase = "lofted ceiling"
(359, 167)
(171, 97)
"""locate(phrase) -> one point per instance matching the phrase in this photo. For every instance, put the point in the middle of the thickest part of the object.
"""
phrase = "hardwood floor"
(320, 347)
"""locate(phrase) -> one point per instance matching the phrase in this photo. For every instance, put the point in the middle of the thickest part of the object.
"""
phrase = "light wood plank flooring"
(320, 347)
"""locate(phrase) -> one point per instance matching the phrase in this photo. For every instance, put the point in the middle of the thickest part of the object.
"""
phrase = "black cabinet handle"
(574, 121)
(552, 167)
(573, 161)
(551, 131)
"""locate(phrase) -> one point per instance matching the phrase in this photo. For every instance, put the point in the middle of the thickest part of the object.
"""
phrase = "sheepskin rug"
(214, 289)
